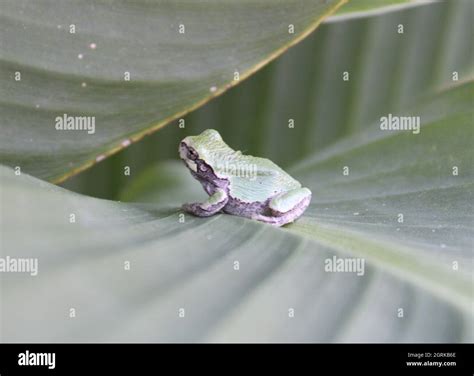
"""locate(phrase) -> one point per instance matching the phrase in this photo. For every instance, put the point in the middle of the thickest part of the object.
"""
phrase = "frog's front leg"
(211, 206)
(286, 207)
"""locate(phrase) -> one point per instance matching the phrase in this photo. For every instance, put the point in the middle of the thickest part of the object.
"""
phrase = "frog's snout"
(183, 150)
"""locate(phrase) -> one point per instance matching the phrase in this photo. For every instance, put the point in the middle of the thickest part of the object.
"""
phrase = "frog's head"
(205, 147)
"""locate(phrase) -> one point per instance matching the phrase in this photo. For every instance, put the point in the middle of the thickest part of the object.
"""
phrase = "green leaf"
(189, 264)
(46, 71)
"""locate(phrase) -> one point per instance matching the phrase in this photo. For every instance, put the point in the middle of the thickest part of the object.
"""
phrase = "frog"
(241, 185)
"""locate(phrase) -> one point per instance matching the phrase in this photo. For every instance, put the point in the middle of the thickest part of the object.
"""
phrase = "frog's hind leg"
(288, 201)
(211, 206)
(286, 207)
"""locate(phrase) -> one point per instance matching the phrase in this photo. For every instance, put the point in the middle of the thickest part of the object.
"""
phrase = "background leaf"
(387, 71)
(82, 73)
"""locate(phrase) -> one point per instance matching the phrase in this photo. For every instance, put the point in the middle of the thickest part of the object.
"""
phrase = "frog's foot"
(286, 207)
(211, 206)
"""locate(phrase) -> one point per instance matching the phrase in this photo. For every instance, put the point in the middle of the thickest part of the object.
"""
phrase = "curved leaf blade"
(178, 56)
(387, 72)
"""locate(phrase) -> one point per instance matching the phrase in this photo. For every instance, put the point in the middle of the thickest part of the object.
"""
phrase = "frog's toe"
(197, 210)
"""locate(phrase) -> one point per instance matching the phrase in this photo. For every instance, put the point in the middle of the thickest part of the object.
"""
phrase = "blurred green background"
(387, 72)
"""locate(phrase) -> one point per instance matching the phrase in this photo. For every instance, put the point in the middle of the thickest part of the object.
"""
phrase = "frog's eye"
(203, 167)
(192, 154)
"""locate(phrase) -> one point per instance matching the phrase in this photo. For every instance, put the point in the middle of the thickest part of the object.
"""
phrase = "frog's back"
(253, 179)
